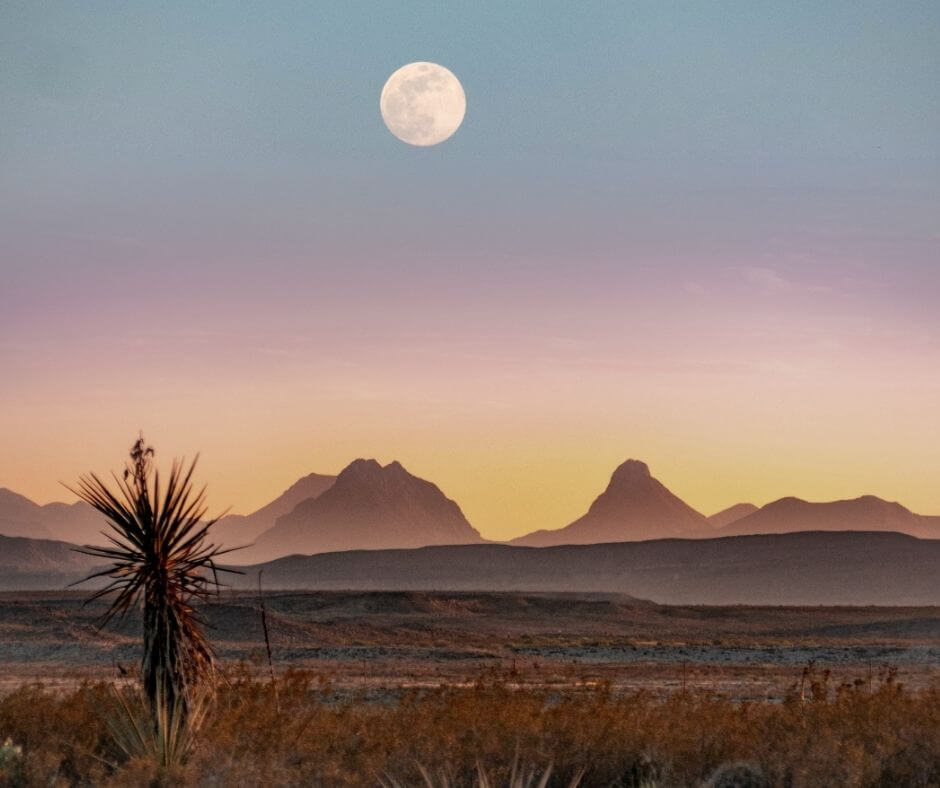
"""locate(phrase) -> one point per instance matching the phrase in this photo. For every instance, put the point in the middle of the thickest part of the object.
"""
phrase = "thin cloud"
(764, 278)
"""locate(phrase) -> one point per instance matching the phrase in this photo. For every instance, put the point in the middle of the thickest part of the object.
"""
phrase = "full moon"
(423, 103)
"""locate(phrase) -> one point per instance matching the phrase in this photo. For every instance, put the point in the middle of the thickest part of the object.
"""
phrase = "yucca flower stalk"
(162, 562)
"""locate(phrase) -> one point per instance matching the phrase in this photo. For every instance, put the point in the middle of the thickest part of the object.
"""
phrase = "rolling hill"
(814, 568)
(867, 513)
(808, 568)
(40, 563)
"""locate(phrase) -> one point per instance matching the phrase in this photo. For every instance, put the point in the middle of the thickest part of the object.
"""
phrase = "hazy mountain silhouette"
(40, 563)
(19, 552)
(369, 507)
(731, 515)
(237, 530)
(76, 522)
(376, 508)
(867, 513)
(634, 506)
(809, 568)
(19, 516)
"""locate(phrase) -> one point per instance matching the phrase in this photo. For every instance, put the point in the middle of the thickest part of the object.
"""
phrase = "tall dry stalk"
(161, 561)
(267, 643)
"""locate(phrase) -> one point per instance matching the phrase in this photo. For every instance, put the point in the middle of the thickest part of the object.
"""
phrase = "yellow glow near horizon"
(522, 433)
(512, 467)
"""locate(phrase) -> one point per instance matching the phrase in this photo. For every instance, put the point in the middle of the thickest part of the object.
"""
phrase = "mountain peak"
(631, 472)
(371, 473)
(361, 466)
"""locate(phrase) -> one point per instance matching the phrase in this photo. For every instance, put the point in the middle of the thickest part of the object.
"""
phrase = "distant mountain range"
(76, 522)
(370, 506)
(867, 513)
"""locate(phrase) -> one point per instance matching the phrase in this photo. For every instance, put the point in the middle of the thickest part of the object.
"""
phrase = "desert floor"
(375, 643)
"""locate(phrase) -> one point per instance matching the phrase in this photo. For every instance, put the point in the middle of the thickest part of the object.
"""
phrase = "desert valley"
(561, 378)
(355, 590)
(379, 565)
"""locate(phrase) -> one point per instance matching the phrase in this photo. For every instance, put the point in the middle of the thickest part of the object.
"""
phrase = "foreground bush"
(307, 736)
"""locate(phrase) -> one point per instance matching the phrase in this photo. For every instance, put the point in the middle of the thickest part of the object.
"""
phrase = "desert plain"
(379, 642)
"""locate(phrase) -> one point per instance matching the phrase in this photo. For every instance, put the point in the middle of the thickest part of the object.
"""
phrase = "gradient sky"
(706, 235)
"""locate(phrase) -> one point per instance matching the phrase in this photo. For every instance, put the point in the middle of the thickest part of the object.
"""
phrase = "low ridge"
(731, 515)
(867, 513)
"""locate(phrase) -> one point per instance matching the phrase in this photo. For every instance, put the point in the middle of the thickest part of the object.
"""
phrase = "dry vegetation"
(883, 735)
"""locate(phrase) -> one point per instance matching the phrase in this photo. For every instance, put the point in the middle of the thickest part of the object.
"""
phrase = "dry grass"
(850, 735)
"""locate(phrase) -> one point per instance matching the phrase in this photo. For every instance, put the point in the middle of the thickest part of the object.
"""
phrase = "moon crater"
(423, 103)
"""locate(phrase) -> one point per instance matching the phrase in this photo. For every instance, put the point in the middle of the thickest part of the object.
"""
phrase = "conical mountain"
(369, 507)
(634, 507)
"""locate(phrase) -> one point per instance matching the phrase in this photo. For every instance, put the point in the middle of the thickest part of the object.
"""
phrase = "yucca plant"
(160, 561)
(158, 732)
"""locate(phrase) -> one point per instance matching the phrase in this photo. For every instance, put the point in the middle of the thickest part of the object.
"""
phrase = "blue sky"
(746, 188)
